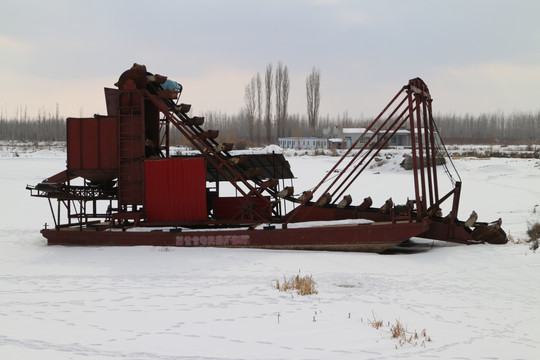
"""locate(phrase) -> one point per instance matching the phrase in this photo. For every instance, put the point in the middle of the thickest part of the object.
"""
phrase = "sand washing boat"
(123, 187)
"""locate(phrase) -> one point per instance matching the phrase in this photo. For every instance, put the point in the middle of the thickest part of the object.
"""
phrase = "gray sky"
(475, 56)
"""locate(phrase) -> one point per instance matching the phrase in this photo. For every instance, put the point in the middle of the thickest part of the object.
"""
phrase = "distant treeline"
(44, 129)
(515, 128)
(491, 128)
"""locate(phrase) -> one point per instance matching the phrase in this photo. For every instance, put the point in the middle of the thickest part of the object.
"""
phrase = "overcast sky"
(475, 56)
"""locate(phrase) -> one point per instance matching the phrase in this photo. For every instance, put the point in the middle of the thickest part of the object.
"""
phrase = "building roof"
(350, 131)
(355, 130)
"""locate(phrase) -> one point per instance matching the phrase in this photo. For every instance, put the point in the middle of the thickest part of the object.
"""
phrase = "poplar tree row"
(263, 120)
(256, 101)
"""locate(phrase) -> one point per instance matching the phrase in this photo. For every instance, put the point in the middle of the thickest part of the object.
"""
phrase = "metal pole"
(429, 150)
(413, 150)
(421, 153)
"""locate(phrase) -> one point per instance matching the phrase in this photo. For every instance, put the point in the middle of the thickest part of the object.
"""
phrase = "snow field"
(474, 302)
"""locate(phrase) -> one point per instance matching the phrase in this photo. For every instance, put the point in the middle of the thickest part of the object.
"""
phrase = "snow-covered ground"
(472, 302)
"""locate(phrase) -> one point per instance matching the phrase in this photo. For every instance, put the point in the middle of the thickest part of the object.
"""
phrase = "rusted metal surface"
(175, 189)
(117, 153)
(92, 147)
(131, 149)
(376, 237)
(237, 208)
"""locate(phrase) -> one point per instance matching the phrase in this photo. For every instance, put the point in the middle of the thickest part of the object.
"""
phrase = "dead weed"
(303, 285)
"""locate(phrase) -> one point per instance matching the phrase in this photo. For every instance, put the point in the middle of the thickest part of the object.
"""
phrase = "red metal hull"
(375, 237)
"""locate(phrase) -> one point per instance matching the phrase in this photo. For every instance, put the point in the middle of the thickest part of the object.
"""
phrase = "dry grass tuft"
(375, 323)
(399, 332)
(302, 285)
(514, 240)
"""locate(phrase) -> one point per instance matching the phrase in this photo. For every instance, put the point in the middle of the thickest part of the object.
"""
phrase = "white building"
(351, 135)
(345, 138)
(303, 143)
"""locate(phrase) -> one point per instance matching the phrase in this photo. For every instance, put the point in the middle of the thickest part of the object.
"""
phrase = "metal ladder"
(130, 150)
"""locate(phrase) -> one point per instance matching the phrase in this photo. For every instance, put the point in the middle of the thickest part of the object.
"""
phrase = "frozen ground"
(474, 302)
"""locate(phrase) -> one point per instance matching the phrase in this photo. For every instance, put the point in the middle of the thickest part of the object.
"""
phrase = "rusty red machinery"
(122, 185)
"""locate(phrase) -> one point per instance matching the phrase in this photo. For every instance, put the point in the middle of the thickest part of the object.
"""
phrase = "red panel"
(111, 99)
(156, 190)
(175, 183)
(175, 189)
(92, 143)
(194, 189)
(108, 143)
(74, 144)
(89, 143)
(229, 208)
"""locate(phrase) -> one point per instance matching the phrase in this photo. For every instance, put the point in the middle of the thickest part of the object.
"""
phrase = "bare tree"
(282, 96)
(258, 85)
(278, 81)
(268, 115)
(250, 99)
(313, 82)
(285, 94)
